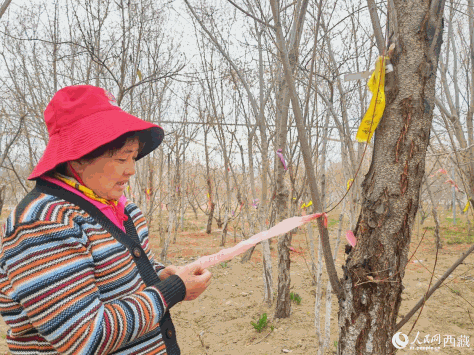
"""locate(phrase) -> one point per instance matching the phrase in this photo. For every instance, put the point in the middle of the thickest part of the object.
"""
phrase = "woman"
(77, 275)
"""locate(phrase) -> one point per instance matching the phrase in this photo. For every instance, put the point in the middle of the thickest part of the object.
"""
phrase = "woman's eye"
(122, 160)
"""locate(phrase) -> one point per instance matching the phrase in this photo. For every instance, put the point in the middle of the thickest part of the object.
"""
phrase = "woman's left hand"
(168, 271)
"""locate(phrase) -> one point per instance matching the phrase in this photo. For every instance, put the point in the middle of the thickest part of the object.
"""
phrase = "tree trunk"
(435, 215)
(209, 220)
(212, 205)
(373, 274)
(2, 197)
(248, 254)
(224, 230)
(283, 305)
(170, 209)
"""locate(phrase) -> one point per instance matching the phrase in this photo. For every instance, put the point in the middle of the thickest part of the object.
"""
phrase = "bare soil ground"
(218, 322)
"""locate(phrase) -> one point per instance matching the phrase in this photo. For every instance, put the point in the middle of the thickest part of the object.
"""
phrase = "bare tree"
(375, 268)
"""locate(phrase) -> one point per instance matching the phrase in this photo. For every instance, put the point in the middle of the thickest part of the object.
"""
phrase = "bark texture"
(373, 274)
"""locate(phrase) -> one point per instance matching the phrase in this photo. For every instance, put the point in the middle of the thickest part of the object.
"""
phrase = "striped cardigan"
(68, 286)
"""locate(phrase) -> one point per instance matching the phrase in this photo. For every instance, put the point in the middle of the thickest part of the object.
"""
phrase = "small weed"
(295, 297)
(261, 324)
(335, 343)
(456, 292)
(224, 264)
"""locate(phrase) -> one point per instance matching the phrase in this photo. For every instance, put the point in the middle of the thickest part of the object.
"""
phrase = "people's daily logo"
(398, 342)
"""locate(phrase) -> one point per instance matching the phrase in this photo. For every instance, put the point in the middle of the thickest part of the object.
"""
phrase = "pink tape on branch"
(317, 215)
(280, 154)
(283, 227)
(452, 183)
(351, 238)
(440, 171)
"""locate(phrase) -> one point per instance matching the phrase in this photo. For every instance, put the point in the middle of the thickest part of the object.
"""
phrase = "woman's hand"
(168, 271)
(196, 279)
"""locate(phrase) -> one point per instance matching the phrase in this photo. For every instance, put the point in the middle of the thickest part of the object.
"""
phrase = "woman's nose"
(130, 169)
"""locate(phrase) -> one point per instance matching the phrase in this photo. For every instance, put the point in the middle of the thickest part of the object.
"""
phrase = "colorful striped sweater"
(68, 286)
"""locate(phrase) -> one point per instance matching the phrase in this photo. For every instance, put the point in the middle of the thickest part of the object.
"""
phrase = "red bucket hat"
(82, 118)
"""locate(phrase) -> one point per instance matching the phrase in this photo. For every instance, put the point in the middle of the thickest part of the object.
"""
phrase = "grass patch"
(450, 220)
(460, 239)
(295, 297)
(332, 222)
(261, 323)
(452, 234)
(457, 234)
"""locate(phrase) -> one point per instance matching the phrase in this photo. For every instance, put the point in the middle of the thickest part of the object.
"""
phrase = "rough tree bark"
(373, 274)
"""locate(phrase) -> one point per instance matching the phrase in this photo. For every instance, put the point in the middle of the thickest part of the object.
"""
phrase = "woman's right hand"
(196, 279)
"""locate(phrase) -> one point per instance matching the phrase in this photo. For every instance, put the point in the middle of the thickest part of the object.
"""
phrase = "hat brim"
(91, 132)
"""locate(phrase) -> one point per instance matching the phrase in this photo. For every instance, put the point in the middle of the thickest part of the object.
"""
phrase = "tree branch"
(331, 268)
(7, 148)
(227, 57)
(374, 17)
(250, 15)
(433, 289)
(4, 7)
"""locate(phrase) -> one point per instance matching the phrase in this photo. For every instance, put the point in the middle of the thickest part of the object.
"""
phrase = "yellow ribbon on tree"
(349, 183)
(373, 115)
(307, 204)
(467, 205)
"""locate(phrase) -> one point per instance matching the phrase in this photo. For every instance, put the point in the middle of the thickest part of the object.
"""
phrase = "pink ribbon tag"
(351, 238)
(283, 227)
(440, 171)
(280, 154)
(317, 215)
(452, 183)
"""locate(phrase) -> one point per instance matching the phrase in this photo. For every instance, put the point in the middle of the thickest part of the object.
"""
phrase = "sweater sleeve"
(48, 268)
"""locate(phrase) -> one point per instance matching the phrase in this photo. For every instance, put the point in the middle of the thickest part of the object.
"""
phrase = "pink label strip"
(283, 227)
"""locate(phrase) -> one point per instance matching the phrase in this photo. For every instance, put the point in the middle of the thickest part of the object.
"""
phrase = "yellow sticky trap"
(467, 206)
(349, 183)
(373, 115)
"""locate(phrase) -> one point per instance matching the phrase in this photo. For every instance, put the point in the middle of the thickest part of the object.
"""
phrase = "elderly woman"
(77, 274)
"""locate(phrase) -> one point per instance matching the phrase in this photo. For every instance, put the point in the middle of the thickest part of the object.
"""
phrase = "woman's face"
(108, 175)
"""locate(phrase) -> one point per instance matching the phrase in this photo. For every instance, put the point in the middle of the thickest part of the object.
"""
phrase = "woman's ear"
(78, 166)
